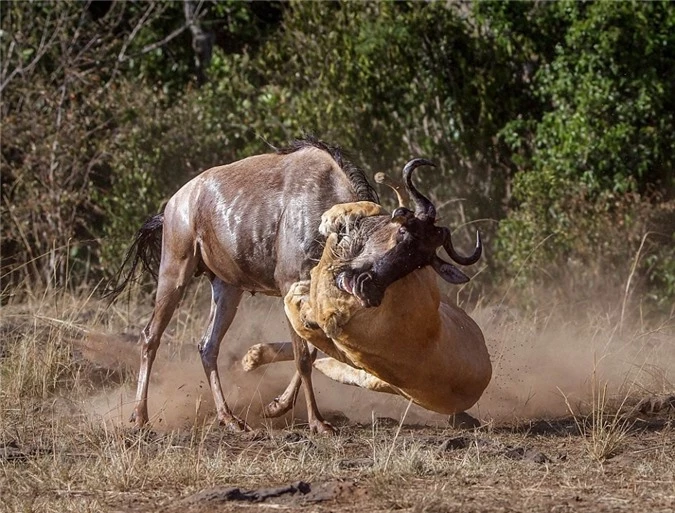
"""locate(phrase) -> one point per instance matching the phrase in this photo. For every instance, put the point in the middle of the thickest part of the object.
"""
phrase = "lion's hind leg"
(348, 375)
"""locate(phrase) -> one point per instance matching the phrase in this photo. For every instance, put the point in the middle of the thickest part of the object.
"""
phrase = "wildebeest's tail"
(145, 250)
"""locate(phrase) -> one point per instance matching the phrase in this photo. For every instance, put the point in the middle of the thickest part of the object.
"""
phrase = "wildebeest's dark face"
(379, 250)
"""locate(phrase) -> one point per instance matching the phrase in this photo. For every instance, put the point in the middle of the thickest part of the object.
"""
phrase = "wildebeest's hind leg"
(174, 275)
(225, 300)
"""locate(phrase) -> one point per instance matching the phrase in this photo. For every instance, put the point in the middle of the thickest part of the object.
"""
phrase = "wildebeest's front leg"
(225, 300)
(282, 404)
(304, 361)
(301, 317)
(301, 326)
(263, 354)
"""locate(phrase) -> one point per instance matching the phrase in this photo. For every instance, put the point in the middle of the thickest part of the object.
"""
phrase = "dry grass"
(607, 427)
(58, 454)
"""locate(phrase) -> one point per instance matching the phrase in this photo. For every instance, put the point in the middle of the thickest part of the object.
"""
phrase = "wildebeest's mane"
(356, 176)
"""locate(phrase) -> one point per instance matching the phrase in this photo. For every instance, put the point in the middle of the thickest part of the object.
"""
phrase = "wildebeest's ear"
(448, 271)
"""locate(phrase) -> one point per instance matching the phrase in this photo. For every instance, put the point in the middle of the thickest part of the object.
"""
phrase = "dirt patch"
(542, 367)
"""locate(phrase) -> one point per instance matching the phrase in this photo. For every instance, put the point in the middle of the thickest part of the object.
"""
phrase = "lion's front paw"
(331, 221)
(334, 320)
(339, 216)
(297, 294)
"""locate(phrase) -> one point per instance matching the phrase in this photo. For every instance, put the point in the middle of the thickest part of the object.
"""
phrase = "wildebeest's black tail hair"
(145, 250)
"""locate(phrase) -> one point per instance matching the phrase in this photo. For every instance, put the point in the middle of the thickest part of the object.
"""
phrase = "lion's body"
(427, 350)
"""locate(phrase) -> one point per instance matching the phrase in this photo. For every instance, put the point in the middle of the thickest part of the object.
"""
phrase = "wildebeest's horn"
(463, 260)
(424, 209)
(397, 186)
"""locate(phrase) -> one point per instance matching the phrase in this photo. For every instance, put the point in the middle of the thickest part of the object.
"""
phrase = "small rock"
(237, 494)
(453, 444)
(526, 453)
(333, 491)
(463, 420)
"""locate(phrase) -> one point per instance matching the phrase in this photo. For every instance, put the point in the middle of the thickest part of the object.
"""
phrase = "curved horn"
(463, 260)
(396, 186)
(424, 209)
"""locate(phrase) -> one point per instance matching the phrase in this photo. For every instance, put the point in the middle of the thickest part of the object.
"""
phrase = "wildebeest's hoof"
(276, 408)
(321, 427)
(139, 419)
(234, 424)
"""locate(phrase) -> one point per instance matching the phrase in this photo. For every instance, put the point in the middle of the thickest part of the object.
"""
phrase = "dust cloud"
(535, 369)
(543, 368)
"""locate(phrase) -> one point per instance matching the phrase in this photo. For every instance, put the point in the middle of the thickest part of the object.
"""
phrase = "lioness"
(412, 344)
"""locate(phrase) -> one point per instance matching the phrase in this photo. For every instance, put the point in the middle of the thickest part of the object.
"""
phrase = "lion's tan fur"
(430, 351)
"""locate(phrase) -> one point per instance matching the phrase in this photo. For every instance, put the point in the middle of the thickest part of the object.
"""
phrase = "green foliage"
(607, 129)
(551, 122)
(159, 150)
(610, 85)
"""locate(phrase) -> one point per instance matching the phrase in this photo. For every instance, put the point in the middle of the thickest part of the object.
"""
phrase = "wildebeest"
(253, 225)
(412, 343)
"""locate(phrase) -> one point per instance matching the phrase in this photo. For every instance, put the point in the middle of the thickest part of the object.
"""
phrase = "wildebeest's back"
(257, 219)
